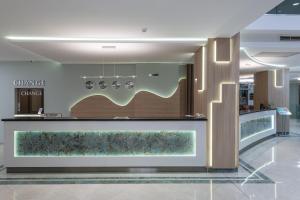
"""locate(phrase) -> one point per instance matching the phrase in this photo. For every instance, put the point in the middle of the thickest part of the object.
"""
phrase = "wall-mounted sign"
(29, 83)
(31, 93)
(29, 100)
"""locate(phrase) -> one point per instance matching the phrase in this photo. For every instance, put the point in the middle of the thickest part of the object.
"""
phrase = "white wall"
(64, 86)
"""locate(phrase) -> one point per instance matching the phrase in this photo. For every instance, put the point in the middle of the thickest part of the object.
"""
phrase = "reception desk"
(35, 144)
(255, 126)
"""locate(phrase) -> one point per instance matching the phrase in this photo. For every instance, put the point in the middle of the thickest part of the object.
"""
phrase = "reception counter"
(35, 144)
(255, 126)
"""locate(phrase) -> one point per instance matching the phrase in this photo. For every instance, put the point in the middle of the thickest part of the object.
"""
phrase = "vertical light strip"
(275, 190)
(211, 118)
(215, 53)
(275, 80)
(203, 87)
(211, 189)
(237, 124)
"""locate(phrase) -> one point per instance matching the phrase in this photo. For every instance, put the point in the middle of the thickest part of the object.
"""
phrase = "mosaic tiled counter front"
(104, 143)
(112, 143)
(256, 126)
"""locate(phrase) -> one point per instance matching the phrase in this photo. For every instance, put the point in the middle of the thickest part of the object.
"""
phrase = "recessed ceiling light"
(144, 30)
(296, 4)
(109, 47)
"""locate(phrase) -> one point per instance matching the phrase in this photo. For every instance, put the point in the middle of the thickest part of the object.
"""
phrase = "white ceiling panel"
(120, 18)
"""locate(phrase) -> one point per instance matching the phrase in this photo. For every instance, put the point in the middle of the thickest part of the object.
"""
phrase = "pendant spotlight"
(89, 85)
(116, 85)
(102, 80)
(129, 85)
(102, 84)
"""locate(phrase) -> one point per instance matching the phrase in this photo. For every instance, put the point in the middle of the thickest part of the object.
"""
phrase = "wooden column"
(260, 89)
(272, 88)
(217, 97)
(200, 81)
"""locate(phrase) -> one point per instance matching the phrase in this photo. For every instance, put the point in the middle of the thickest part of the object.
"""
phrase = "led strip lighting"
(261, 62)
(104, 40)
(219, 101)
(203, 86)
(275, 80)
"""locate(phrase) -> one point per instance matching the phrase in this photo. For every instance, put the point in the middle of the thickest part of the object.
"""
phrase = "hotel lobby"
(188, 100)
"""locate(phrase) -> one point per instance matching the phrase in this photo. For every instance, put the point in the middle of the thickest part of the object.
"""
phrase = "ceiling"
(262, 41)
(93, 53)
(119, 19)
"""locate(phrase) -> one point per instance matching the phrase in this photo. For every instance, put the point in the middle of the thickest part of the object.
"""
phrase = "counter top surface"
(103, 119)
(254, 111)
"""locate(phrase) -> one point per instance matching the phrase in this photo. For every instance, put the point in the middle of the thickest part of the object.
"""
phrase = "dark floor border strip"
(126, 178)
(136, 180)
(132, 170)
(129, 181)
(256, 143)
(263, 176)
(250, 170)
(132, 182)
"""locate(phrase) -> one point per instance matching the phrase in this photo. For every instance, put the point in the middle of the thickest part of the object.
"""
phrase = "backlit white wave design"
(259, 61)
(167, 95)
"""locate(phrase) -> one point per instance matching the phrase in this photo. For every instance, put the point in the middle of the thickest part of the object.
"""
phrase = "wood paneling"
(190, 79)
(144, 104)
(200, 90)
(223, 129)
(222, 92)
(223, 50)
(260, 89)
(272, 88)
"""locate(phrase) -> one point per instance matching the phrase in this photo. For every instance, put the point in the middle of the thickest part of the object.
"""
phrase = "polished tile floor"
(270, 170)
(295, 125)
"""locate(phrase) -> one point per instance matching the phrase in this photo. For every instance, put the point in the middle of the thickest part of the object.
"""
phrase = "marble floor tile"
(123, 192)
(295, 126)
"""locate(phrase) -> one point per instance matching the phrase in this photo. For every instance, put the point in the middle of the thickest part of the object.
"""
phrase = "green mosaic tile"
(105, 143)
(251, 127)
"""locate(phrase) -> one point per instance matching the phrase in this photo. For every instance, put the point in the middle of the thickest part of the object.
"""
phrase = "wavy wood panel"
(144, 104)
